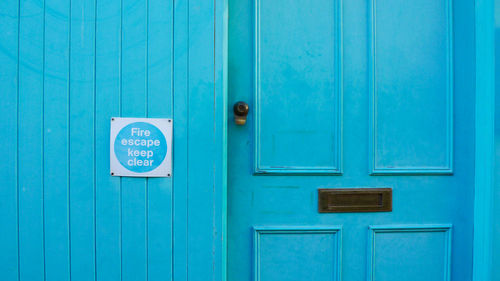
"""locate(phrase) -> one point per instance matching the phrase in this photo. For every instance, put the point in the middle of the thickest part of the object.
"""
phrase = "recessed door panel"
(280, 254)
(411, 75)
(424, 251)
(297, 86)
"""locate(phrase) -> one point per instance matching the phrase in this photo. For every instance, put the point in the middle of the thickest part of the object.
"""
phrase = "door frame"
(484, 131)
(484, 138)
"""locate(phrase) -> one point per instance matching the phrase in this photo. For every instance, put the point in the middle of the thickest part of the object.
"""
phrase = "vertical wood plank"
(9, 17)
(108, 93)
(82, 136)
(56, 140)
(220, 131)
(180, 140)
(31, 55)
(160, 40)
(201, 152)
(134, 104)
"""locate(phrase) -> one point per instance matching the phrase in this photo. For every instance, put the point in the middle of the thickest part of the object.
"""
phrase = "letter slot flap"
(354, 200)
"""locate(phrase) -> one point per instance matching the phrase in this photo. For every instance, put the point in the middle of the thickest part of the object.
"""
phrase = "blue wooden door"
(351, 94)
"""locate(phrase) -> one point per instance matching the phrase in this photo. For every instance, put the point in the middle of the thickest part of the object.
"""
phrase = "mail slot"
(353, 200)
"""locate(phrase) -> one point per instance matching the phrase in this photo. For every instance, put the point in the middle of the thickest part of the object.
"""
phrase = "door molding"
(484, 136)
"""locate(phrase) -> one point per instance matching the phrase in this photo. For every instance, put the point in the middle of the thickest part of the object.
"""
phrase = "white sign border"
(163, 124)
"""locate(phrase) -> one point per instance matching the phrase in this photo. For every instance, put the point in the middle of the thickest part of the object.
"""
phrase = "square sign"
(141, 147)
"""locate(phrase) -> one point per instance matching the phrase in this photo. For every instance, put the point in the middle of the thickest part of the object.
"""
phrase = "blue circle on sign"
(140, 147)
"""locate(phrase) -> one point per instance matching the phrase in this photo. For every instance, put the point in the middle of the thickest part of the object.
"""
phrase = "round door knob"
(240, 112)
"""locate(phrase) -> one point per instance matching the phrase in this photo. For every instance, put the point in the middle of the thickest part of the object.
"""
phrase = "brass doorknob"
(240, 112)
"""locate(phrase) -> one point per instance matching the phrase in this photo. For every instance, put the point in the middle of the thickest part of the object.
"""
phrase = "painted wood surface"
(484, 141)
(66, 67)
(495, 264)
(407, 123)
(277, 68)
(411, 87)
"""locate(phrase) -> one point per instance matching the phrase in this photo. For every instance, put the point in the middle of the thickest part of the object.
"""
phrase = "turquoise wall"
(66, 67)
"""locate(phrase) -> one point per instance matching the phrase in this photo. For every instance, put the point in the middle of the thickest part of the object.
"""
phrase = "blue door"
(356, 160)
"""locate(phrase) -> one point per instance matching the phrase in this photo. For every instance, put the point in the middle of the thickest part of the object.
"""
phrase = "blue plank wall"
(66, 67)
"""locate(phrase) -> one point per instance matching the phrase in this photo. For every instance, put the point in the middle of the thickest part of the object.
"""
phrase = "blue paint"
(66, 68)
(421, 96)
(424, 251)
(108, 208)
(140, 147)
(81, 134)
(180, 138)
(352, 94)
(495, 264)
(277, 251)
(56, 141)
(276, 65)
(10, 191)
(342, 94)
(484, 238)
(31, 225)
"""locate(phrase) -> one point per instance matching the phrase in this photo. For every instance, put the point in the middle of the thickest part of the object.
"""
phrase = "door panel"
(411, 86)
(383, 89)
(278, 250)
(297, 86)
(395, 252)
